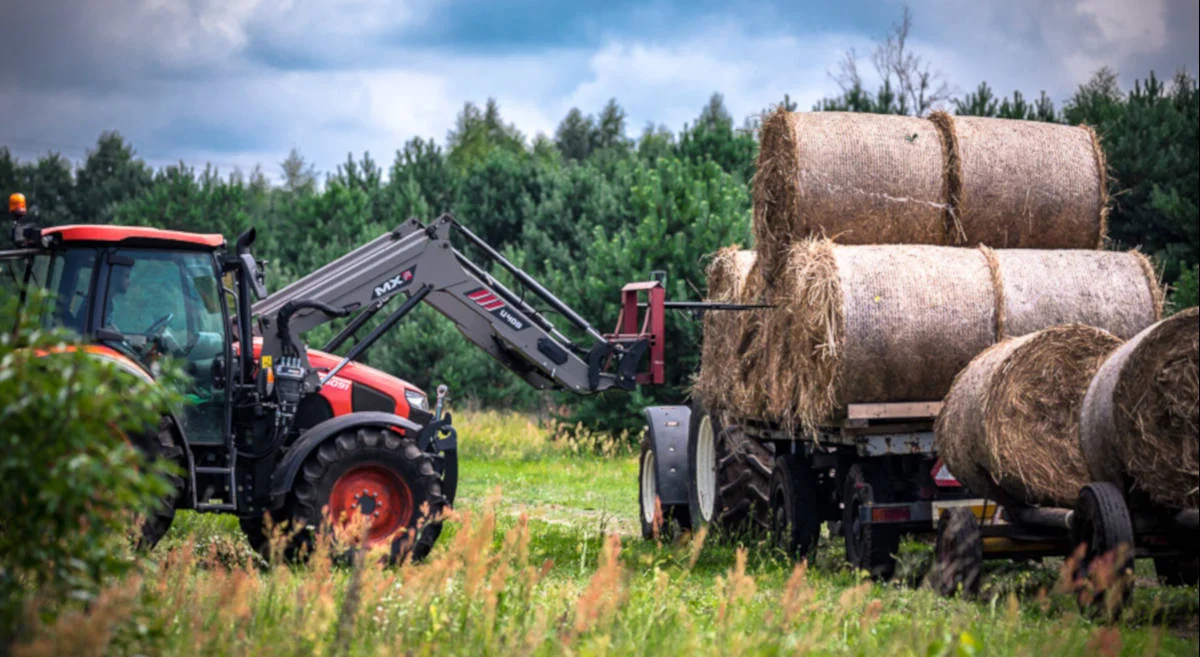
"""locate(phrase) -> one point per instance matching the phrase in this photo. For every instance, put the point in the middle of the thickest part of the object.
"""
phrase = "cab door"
(170, 304)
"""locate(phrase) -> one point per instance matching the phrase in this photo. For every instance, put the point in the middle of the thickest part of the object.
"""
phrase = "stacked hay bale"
(872, 238)
(1026, 184)
(893, 323)
(1010, 424)
(1140, 419)
(871, 179)
(722, 351)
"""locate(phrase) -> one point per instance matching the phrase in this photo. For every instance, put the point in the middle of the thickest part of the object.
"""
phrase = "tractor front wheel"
(368, 487)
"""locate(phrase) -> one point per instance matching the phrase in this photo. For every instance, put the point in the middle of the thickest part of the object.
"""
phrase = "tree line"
(589, 208)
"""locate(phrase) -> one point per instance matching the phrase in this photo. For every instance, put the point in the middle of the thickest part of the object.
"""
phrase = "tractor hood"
(359, 387)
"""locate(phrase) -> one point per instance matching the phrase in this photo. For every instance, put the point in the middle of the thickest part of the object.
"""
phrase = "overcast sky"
(240, 82)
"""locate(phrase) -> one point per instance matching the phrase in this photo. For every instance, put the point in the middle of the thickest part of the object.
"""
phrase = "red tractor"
(293, 433)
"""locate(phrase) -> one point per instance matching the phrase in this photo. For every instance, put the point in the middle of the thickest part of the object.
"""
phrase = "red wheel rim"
(376, 492)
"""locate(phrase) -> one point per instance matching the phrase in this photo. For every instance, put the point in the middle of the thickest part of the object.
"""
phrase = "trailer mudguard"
(667, 429)
(289, 465)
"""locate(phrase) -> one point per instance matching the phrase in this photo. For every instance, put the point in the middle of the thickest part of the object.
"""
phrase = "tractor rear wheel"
(160, 444)
(371, 476)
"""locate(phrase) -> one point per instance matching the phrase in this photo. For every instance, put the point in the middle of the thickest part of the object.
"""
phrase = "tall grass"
(503, 582)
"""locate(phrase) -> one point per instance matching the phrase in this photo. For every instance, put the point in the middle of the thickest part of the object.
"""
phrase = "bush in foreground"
(70, 481)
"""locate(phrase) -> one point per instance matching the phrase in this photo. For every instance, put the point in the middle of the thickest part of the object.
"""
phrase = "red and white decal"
(339, 383)
(486, 299)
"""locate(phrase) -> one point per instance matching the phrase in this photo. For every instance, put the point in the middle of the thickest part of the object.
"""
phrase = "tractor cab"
(137, 295)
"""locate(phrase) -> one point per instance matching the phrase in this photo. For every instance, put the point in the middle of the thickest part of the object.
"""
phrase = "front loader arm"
(420, 263)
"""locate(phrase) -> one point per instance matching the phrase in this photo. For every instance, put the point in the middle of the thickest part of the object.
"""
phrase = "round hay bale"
(1029, 184)
(894, 323)
(872, 324)
(856, 178)
(749, 394)
(1113, 290)
(1139, 421)
(727, 273)
(1010, 423)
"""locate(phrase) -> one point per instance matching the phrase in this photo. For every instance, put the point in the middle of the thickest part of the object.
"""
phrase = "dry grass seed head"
(604, 591)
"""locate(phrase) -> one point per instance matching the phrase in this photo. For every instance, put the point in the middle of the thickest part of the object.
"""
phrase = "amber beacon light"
(16, 205)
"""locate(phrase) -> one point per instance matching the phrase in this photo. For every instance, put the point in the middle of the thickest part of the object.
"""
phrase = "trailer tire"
(729, 487)
(1177, 571)
(868, 547)
(795, 523)
(703, 503)
(657, 519)
(744, 477)
(1102, 526)
(373, 471)
(958, 557)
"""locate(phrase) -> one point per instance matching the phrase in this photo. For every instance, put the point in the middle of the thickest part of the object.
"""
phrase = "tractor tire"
(729, 486)
(160, 443)
(1102, 525)
(368, 472)
(868, 547)
(958, 557)
(795, 519)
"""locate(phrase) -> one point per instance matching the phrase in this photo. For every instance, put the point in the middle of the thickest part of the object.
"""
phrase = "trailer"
(1103, 533)
(872, 474)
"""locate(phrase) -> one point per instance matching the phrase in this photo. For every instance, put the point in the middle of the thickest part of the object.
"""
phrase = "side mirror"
(250, 271)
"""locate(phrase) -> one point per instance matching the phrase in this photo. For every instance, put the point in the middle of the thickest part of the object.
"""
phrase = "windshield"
(165, 294)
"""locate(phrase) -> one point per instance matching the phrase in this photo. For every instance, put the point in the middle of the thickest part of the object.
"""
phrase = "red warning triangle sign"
(942, 476)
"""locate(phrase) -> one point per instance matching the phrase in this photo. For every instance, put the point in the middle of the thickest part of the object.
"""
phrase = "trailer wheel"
(795, 523)
(703, 430)
(370, 473)
(657, 519)
(1177, 571)
(958, 558)
(1101, 524)
(730, 481)
(868, 547)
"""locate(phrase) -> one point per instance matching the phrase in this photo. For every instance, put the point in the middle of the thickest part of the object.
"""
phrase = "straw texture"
(721, 350)
(1139, 421)
(858, 178)
(892, 323)
(1009, 427)
(946, 180)
(1030, 184)
(1116, 291)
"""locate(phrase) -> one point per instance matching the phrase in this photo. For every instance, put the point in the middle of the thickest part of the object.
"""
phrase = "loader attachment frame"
(420, 263)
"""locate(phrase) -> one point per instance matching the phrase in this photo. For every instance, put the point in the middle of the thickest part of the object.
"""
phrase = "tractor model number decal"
(395, 283)
(493, 304)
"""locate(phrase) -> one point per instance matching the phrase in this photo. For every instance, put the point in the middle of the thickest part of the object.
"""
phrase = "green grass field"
(544, 557)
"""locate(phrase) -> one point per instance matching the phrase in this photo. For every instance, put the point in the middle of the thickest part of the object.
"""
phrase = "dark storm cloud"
(244, 80)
